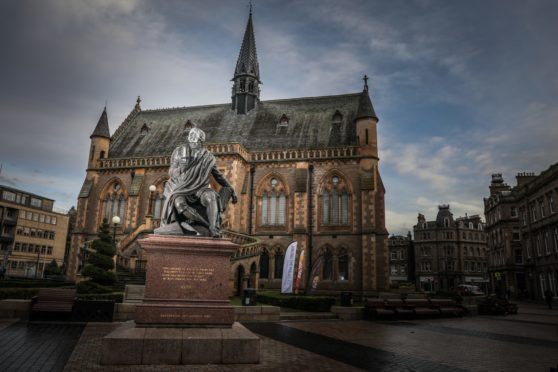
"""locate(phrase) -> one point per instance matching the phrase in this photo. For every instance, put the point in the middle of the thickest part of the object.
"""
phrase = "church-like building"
(305, 170)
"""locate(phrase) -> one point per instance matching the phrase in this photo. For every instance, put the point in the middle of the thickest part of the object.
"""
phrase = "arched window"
(327, 273)
(157, 199)
(343, 263)
(279, 258)
(273, 209)
(335, 203)
(264, 264)
(114, 203)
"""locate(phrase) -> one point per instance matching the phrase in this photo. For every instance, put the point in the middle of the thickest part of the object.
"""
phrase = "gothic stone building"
(449, 252)
(305, 169)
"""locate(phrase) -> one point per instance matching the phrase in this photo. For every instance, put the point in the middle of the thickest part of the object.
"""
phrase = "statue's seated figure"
(191, 206)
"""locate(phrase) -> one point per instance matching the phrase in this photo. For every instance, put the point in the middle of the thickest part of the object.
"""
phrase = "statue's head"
(196, 135)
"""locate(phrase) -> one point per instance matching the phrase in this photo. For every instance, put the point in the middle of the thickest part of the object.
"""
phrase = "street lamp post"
(152, 189)
(115, 221)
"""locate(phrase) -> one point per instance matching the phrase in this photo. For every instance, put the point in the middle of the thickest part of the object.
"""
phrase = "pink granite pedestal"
(187, 282)
(185, 316)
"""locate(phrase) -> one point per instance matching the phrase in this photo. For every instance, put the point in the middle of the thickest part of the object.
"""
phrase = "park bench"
(422, 307)
(402, 310)
(375, 308)
(447, 307)
(53, 300)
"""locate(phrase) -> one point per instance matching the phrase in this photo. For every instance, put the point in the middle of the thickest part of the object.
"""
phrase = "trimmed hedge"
(17, 293)
(88, 287)
(300, 302)
(116, 296)
(34, 283)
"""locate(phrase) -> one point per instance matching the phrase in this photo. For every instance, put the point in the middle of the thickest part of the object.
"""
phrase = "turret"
(246, 80)
(366, 122)
(100, 141)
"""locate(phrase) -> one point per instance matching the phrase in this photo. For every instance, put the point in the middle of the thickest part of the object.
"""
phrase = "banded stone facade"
(305, 169)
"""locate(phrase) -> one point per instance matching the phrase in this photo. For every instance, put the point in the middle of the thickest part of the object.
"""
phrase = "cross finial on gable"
(365, 78)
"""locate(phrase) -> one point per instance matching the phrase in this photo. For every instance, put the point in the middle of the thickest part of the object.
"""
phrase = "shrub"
(300, 302)
(52, 268)
(92, 287)
(115, 296)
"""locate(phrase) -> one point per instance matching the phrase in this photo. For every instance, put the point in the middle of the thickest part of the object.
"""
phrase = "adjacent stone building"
(32, 234)
(522, 224)
(401, 259)
(304, 169)
(449, 251)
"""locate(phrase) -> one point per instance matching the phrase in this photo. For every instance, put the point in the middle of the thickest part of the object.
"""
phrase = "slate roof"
(102, 128)
(310, 125)
(247, 62)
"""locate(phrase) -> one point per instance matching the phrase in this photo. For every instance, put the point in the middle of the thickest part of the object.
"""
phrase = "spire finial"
(106, 102)
(138, 101)
(365, 78)
(251, 6)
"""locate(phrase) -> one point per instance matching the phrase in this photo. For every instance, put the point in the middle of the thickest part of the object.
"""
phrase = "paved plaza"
(524, 342)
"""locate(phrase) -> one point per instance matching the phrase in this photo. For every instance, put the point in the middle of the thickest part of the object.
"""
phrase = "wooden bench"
(422, 307)
(402, 310)
(53, 300)
(447, 307)
(376, 308)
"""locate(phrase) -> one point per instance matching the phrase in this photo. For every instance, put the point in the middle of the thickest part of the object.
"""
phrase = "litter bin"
(346, 298)
(249, 297)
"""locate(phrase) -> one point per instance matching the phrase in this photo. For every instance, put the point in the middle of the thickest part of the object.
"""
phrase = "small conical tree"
(100, 263)
(52, 268)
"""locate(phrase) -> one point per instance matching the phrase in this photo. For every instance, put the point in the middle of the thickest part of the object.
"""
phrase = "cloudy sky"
(463, 89)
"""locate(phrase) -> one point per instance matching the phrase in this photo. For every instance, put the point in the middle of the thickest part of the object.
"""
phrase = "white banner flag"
(288, 269)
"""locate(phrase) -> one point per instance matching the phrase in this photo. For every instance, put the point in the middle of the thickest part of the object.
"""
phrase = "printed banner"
(316, 273)
(298, 280)
(288, 269)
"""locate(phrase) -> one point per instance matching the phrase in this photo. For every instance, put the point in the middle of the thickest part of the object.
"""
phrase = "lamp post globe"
(152, 189)
(115, 221)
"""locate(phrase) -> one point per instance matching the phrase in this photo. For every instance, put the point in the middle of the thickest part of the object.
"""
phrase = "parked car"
(469, 290)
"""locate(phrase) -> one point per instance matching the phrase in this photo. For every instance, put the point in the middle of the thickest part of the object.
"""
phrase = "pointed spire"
(247, 63)
(102, 128)
(365, 108)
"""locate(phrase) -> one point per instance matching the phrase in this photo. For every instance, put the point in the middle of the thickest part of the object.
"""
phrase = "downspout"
(251, 199)
(310, 227)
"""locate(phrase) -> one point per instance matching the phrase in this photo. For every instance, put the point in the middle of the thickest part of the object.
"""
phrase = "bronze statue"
(191, 206)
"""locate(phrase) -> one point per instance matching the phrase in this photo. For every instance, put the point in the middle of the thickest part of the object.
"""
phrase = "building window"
(538, 245)
(328, 265)
(114, 204)
(518, 256)
(556, 240)
(9, 196)
(264, 265)
(551, 204)
(393, 255)
(546, 243)
(273, 209)
(36, 202)
(335, 202)
(513, 211)
(343, 262)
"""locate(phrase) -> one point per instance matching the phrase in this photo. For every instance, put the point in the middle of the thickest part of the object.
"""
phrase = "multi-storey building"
(505, 252)
(449, 252)
(524, 233)
(401, 259)
(32, 233)
(304, 169)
